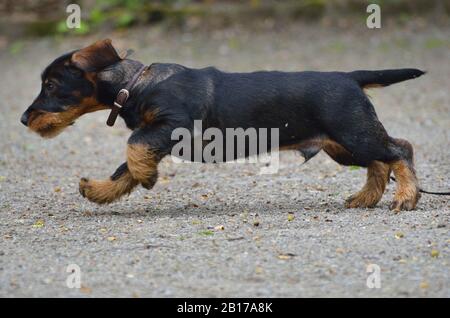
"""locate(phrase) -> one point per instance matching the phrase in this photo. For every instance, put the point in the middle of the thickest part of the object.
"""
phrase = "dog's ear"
(95, 57)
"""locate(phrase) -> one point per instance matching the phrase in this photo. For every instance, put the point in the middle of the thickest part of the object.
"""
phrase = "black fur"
(303, 105)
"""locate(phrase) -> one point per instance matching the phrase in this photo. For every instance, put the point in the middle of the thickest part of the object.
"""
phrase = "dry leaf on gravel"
(424, 285)
(434, 253)
(85, 290)
(38, 224)
(340, 250)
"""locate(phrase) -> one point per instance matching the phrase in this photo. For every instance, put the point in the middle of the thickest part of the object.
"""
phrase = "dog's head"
(69, 89)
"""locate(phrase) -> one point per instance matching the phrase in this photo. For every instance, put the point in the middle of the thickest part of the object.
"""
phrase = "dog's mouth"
(49, 125)
(49, 131)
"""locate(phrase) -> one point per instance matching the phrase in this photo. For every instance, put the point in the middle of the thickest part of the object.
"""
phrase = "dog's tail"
(368, 79)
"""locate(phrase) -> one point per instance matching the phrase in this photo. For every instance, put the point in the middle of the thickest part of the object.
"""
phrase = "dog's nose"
(24, 118)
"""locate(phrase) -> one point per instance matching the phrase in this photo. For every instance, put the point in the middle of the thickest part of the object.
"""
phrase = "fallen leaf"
(103, 230)
(111, 238)
(57, 189)
(434, 253)
(259, 270)
(424, 285)
(256, 223)
(291, 217)
(399, 235)
(85, 290)
(38, 224)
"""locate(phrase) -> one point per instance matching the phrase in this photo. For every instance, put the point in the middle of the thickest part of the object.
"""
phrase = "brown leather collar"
(123, 96)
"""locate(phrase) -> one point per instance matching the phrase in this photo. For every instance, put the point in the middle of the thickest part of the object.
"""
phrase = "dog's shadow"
(258, 207)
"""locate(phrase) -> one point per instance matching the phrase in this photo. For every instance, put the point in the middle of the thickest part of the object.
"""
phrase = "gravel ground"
(160, 242)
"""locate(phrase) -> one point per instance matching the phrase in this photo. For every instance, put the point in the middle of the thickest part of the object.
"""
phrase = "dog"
(313, 111)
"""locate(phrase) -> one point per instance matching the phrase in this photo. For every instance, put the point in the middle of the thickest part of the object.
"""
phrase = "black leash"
(427, 192)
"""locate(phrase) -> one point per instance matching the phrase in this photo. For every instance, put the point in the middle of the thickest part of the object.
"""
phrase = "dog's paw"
(405, 202)
(362, 199)
(83, 186)
(397, 206)
(97, 191)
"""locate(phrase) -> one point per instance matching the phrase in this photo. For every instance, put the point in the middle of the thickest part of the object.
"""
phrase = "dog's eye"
(49, 86)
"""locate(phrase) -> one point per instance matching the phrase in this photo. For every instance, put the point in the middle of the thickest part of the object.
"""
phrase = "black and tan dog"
(323, 110)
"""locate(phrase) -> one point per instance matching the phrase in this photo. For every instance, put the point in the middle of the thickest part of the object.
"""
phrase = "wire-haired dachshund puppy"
(324, 111)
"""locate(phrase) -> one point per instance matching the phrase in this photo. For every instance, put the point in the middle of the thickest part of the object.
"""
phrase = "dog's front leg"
(146, 147)
(107, 191)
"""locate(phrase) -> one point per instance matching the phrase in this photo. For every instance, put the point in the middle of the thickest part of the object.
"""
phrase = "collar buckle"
(122, 97)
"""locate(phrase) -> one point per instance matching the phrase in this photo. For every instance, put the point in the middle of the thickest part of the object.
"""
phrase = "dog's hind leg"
(381, 154)
(377, 177)
(107, 191)
(353, 124)
(407, 193)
